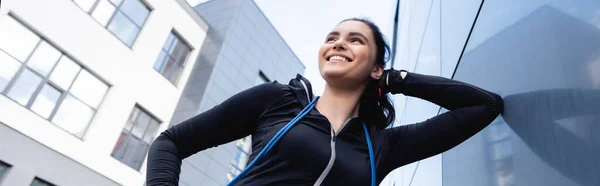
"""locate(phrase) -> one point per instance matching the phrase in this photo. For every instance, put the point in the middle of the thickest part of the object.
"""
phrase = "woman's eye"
(331, 39)
(356, 40)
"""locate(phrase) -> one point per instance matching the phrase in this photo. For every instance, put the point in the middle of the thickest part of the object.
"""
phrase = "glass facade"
(40, 77)
(541, 56)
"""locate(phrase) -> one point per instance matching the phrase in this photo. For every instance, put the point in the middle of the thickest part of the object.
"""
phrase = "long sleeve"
(235, 118)
(470, 110)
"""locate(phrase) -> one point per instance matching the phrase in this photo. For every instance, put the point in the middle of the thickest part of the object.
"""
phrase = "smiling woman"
(339, 138)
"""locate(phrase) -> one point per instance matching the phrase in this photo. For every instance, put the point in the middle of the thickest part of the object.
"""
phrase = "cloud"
(596, 19)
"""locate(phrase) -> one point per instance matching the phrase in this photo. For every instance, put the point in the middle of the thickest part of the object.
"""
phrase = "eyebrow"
(336, 33)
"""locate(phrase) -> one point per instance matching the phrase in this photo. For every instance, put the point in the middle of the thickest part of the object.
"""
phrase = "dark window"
(135, 139)
(3, 168)
(171, 61)
(40, 182)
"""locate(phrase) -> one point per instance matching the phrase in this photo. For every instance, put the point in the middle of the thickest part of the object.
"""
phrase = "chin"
(330, 74)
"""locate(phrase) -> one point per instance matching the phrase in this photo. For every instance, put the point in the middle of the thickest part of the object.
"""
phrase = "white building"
(85, 85)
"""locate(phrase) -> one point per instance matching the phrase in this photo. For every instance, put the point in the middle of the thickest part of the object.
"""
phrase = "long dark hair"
(373, 111)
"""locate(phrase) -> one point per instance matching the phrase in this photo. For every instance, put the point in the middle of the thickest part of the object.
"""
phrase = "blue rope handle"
(284, 130)
(371, 156)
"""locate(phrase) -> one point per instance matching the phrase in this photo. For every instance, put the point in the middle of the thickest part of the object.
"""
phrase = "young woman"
(329, 145)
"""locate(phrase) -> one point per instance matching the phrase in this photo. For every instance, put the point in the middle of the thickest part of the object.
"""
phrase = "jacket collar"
(302, 89)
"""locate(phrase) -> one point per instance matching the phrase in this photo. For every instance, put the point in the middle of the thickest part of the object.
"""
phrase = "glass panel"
(89, 89)
(135, 10)
(170, 70)
(43, 59)
(132, 117)
(8, 68)
(174, 77)
(140, 125)
(103, 12)
(171, 41)
(64, 73)
(73, 116)
(180, 52)
(541, 56)
(457, 19)
(16, 40)
(151, 131)
(123, 28)
(24, 87)
(86, 5)
(131, 152)
(46, 101)
(160, 62)
(3, 168)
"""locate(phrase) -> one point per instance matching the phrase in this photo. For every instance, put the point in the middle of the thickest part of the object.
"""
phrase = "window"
(123, 18)
(3, 168)
(43, 79)
(40, 182)
(171, 61)
(135, 139)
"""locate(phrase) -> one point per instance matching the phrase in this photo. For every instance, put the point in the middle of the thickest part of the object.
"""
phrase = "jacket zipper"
(332, 158)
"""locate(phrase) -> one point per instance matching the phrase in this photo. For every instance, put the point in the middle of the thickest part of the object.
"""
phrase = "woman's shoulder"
(298, 87)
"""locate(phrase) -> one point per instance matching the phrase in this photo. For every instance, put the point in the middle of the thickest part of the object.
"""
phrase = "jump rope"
(286, 128)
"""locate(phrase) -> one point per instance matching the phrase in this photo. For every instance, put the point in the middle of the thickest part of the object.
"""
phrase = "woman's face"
(348, 55)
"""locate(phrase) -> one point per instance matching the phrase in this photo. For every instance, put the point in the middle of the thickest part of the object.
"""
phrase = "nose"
(338, 45)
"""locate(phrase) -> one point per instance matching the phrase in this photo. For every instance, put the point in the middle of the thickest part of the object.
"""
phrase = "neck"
(339, 104)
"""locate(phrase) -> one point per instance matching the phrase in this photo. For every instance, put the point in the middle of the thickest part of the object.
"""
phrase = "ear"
(377, 72)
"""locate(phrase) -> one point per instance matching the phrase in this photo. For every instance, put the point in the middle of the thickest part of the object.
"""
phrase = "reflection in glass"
(73, 116)
(43, 58)
(537, 55)
(170, 44)
(8, 68)
(135, 10)
(131, 148)
(171, 64)
(160, 61)
(46, 101)
(132, 118)
(151, 131)
(16, 40)
(24, 87)
(89, 89)
(103, 11)
(64, 73)
(123, 28)
(140, 126)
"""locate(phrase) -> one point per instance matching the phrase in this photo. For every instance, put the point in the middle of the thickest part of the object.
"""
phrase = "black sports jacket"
(310, 154)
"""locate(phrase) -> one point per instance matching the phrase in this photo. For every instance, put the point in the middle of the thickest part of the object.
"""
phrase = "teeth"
(340, 58)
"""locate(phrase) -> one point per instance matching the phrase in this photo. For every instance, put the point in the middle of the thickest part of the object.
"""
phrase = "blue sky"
(304, 23)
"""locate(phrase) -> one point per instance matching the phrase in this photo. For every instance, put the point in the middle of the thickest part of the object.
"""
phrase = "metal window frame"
(46, 79)
(141, 139)
(112, 17)
(180, 64)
